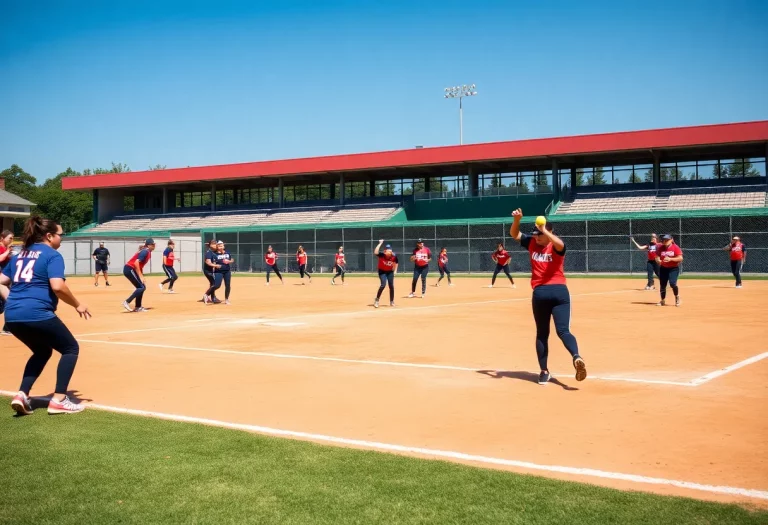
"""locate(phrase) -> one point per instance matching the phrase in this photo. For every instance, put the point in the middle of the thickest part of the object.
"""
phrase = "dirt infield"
(454, 372)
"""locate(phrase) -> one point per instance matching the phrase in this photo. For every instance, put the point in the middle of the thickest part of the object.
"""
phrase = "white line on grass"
(441, 454)
(717, 373)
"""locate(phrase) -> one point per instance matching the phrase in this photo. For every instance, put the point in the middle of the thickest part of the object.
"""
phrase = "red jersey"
(653, 249)
(442, 260)
(546, 263)
(3, 249)
(738, 250)
(673, 250)
(142, 256)
(270, 258)
(387, 264)
(422, 256)
(340, 261)
(502, 256)
(301, 258)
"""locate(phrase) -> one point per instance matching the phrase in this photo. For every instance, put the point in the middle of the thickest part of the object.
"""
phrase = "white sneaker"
(450, 284)
(3, 332)
(514, 286)
(65, 406)
(127, 306)
(226, 301)
(411, 296)
(375, 303)
(171, 291)
(141, 309)
(160, 286)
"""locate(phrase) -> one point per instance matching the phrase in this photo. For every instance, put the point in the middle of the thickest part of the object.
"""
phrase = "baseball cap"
(387, 246)
(667, 237)
(102, 243)
(419, 241)
(149, 242)
(220, 242)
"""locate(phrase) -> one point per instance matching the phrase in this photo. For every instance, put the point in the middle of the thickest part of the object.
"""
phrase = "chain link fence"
(594, 246)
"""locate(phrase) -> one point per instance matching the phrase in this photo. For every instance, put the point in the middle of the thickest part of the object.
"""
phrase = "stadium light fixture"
(465, 90)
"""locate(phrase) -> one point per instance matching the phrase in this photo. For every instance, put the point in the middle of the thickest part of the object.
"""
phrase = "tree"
(154, 168)
(19, 182)
(579, 177)
(634, 177)
(599, 177)
(71, 209)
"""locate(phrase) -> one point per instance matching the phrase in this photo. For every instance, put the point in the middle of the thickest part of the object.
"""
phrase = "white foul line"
(433, 453)
(717, 373)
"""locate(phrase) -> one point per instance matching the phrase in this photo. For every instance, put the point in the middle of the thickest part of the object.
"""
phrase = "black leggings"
(340, 271)
(387, 278)
(218, 278)
(303, 271)
(443, 272)
(502, 268)
(668, 275)
(736, 270)
(420, 271)
(271, 269)
(653, 269)
(42, 337)
(172, 277)
(211, 281)
(552, 301)
(138, 293)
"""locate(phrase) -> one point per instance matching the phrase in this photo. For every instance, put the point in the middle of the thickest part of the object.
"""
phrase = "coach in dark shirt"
(101, 256)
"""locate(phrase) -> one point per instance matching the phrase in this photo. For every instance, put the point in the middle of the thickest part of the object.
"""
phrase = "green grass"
(99, 467)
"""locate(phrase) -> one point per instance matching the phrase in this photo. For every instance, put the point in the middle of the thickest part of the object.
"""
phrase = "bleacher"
(246, 218)
(703, 198)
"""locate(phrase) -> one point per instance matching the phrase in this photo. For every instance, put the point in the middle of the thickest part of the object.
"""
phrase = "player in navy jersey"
(387, 268)
(222, 272)
(6, 240)
(209, 263)
(169, 257)
(651, 266)
(551, 300)
(134, 272)
(32, 284)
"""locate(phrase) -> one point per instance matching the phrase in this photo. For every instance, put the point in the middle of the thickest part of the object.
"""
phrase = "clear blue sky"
(186, 83)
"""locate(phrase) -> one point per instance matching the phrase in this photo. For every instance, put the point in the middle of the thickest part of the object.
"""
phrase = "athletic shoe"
(108, 284)
(226, 301)
(375, 303)
(206, 299)
(490, 286)
(160, 286)
(96, 285)
(581, 368)
(141, 309)
(677, 301)
(171, 291)
(661, 303)
(411, 296)
(21, 404)
(422, 295)
(5, 332)
(216, 301)
(544, 377)
(127, 306)
(333, 283)
(514, 286)
(450, 284)
(65, 406)
(738, 286)
(392, 303)
(266, 284)
(653, 288)
(648, 288)
(437, 285)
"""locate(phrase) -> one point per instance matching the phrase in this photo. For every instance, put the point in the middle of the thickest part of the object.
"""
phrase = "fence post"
(286, 251)
(680, 229)
(469, 254)
(261, 249)
(586, 246)
(629, 245)
(730, 226)
(314, 249)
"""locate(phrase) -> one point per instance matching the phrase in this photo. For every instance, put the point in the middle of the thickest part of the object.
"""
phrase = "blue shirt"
(31, 298)
(220, 258)
(209, 256)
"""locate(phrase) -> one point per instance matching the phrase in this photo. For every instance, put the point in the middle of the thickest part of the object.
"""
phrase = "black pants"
(668, 275)
(274, 268)
(303, 271)
(736, 270)
(171, 274)
(502, 268)
(443, 272)
(340, 272)
(653, 269)
(552, 301)
(138, 293)
(219, 278)
(420, 271)
(42, 337)
(387, 278)
(209, 276)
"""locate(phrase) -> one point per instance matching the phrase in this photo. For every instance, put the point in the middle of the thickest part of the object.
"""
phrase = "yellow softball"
(541, 220)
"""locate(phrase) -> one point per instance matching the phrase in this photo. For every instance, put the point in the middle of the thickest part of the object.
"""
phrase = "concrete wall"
(110, 203)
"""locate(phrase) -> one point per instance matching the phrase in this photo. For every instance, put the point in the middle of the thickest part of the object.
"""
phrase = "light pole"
(460, 92)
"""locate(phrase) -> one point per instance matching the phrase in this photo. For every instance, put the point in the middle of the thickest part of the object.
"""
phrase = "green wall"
(474, 208)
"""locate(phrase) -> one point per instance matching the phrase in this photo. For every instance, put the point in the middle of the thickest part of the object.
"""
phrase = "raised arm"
(639, 247)
(514, 230)
(378, 247)
(556, 241)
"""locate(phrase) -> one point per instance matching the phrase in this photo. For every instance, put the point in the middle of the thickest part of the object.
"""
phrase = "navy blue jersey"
(220, 258)
(209, 256)
(31, 298)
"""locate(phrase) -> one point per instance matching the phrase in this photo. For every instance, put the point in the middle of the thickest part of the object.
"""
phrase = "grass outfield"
(100, 467)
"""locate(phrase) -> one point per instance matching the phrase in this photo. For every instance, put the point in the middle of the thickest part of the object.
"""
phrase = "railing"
(484, 192)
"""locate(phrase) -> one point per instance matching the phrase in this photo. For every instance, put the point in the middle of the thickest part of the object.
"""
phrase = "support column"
(555, 181)
(473, 181)
(165, 200)
(371, 189)
(656, 170)
(280, 193)
(427, 187)
(213, 197)
(95, 213)
(342, 189)
(333, 191)
(573, 179)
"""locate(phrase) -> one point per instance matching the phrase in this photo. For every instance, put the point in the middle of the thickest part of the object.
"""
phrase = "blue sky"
(190, 83)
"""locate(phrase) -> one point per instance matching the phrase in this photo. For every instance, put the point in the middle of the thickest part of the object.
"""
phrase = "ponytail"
(36, 228)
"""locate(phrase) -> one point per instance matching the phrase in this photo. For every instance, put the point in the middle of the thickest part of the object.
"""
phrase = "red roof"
(717, 134)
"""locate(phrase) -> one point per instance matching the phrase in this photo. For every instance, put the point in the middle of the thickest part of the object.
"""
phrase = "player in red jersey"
(301, 259)
(651, 265)
(420, 258)
(271, 259)
(551, 298)
(501, 257)
(339, 265)
(6, 240)
(134, 272)
(669, 256)
(442, 266)
(738, 258)
(387, 266)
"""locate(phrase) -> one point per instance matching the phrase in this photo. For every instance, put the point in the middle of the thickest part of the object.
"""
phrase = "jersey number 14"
(24, 273)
